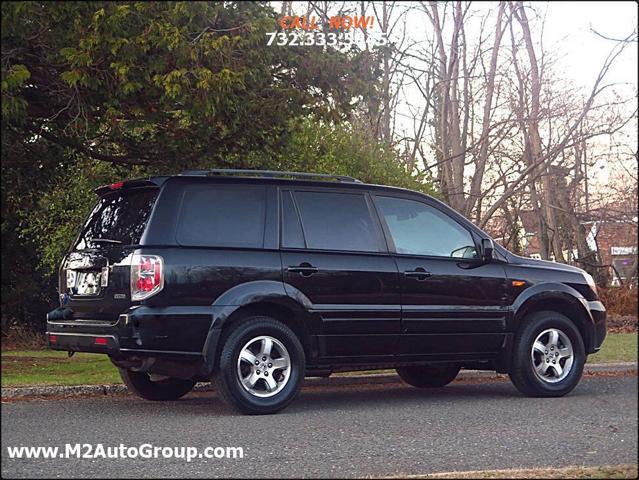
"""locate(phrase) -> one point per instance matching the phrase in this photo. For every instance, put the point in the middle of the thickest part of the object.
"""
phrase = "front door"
(337, 258)
(453, 305)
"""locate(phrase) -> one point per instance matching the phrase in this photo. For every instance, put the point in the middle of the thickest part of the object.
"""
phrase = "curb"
(68, 391)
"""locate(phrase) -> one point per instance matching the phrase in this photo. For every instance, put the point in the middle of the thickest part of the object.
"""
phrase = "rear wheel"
(548, 355)
(151, 387)
(429, 376)
(261, 366)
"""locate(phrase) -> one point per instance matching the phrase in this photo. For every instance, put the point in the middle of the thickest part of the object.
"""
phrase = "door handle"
(304, 269)
(418, 274)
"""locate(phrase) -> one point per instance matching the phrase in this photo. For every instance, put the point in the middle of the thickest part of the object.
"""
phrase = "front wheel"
(151, 387)
(548, 355)
(261, 366)
(429, 376)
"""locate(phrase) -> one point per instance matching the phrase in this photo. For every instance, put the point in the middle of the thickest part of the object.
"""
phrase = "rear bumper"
(83, 342)
(599, 330)
(167, 332)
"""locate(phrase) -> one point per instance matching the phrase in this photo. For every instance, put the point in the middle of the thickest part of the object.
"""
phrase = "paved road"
(338, 432)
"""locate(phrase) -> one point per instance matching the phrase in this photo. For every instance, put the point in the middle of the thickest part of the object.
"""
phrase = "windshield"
(118, 218)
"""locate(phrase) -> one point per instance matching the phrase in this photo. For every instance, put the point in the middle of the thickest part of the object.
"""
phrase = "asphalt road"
(339, 432)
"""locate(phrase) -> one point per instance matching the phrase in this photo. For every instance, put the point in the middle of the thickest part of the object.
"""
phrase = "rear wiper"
(103, 240)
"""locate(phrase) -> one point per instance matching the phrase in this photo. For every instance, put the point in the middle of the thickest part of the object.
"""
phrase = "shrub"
(619, 300)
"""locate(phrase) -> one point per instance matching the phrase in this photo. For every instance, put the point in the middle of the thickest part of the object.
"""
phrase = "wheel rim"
(263, 366)
(552, 355)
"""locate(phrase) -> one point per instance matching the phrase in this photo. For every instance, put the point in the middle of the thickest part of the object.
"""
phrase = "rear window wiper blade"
(103, 240)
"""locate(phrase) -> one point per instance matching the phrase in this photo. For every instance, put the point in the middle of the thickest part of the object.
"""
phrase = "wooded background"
(96, 92)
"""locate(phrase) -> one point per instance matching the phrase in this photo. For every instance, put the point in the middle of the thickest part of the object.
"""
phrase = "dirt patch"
(603, 471)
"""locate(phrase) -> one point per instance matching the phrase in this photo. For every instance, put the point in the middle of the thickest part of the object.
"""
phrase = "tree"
(342, 149)
(503, 128)
(97, 92)
(171, 83)
(456, 96)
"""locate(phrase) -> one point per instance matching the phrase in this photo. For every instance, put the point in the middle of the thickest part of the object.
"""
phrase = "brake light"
(101, 341)
(116, 185)
(147, 276)
(53, 339)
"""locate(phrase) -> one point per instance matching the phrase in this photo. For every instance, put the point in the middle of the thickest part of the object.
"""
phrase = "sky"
(579, 53)
(567, 30)
(568, 27)
(567, 35)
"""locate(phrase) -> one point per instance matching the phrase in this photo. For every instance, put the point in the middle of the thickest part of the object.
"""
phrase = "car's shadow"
(333, 398)
(317, 399)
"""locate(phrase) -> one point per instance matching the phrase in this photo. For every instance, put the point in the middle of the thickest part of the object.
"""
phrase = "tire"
(532, 369)
(140, 384)
(429, 376)
(267, 387)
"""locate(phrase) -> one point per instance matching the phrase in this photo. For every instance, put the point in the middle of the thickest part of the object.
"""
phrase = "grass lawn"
(617, 347)
(607, 471)
(50, 367)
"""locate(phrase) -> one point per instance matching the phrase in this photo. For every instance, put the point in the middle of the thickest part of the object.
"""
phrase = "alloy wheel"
(263, 366)
(552, 355)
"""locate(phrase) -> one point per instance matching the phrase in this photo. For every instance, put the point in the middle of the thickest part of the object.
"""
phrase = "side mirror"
(487, 247)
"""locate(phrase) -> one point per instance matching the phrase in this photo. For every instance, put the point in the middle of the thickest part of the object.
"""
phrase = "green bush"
(343, 150)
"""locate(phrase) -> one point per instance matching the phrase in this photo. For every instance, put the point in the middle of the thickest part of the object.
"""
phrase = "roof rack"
(270, 174)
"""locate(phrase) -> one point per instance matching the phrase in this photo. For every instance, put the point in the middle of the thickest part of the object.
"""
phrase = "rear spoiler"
(136, 183)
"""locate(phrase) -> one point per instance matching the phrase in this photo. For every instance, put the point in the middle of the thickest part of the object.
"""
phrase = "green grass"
(617, 347)
(50, 367)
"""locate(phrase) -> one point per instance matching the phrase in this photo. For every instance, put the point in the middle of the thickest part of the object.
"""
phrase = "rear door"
(94, 276)
(453, 305)
(334, 253)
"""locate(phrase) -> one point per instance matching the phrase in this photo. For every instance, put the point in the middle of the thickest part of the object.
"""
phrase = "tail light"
(147, 276)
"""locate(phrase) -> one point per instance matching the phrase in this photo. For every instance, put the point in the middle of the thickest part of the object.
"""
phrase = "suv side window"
(222, 216)
(338, 221)
(419, 229)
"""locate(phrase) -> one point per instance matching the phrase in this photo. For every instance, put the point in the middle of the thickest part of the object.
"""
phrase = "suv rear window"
(119, 218)
(222, 216)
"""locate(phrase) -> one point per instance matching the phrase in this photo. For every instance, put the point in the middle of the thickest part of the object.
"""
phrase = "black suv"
(257, 279)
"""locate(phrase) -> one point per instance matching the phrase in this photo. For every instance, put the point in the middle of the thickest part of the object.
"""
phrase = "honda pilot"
(257, 279)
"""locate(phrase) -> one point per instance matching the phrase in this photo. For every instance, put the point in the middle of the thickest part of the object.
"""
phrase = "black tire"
(227, 381)
(522, 370)
(429, 376)
(140, 384)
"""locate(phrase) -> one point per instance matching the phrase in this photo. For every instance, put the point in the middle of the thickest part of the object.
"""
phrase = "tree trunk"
(480, 165)
(386, 82)
(450, 144)
(519, 13)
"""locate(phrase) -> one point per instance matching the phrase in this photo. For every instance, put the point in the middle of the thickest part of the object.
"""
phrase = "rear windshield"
(118, 218)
